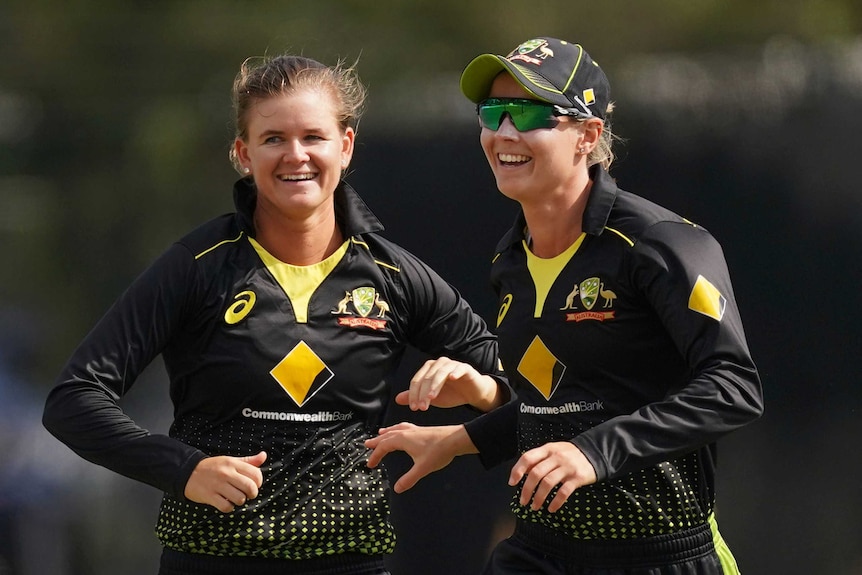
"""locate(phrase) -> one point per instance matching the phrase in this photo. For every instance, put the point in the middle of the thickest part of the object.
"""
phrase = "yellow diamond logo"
(541, 368)
(301, 373)
(706, 299)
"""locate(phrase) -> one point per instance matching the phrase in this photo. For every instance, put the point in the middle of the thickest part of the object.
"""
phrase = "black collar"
(603, 194)
(352, 214)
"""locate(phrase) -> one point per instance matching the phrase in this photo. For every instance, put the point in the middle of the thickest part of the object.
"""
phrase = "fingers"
(431, 448)
(429, 380)
(255, 460)
(385, 443)
(221, 504)
(225, 482)
(560, 465)
(563, 493)
(408, 480)
(233, 498)
(252, 470)
(403, 398)
(532, 467)
(380, 450)
(522, 467)
(424, 386)
(226, 498)
(539, 484)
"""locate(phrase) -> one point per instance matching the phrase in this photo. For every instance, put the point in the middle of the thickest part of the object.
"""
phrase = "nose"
(293, 152)
(507, 127)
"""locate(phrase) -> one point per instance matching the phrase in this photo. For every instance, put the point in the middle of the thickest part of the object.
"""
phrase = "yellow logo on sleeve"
(706, 299)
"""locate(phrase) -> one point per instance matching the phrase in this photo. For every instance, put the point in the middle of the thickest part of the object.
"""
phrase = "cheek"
(486, 140)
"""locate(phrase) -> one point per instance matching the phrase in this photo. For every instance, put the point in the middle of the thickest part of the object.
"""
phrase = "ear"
(347, 142)
(240, 149)
(592, 132)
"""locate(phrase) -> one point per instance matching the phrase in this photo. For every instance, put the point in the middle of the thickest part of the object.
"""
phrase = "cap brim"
(477, 77)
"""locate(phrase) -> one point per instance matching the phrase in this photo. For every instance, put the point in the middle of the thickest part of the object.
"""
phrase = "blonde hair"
(603, 153)
(266, 77)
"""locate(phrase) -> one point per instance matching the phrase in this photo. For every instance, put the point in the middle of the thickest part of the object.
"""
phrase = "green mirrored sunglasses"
(526, 114)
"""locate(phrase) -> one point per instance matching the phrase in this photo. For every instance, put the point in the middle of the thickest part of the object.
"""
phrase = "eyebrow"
(277, 132)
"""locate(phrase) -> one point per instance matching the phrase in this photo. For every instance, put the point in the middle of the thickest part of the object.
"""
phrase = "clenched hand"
(226, 482)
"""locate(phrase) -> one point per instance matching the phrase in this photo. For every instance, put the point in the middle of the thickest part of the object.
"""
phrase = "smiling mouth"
(297, 177)
(512, 159)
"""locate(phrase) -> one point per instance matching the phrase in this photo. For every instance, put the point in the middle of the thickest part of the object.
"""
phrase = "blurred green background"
(745, 117)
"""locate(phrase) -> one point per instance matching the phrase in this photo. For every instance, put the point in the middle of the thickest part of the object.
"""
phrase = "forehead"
(297, 105)
(505, 86)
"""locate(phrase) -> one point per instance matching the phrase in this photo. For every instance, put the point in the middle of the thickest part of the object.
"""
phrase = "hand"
(559, 463)
(226, 482)
(444, 382)
(431, 448)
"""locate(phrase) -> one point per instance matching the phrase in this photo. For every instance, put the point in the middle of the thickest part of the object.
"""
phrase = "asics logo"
(240, 308)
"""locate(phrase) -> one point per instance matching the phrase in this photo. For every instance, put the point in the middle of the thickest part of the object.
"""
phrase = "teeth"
(297, 177)
(513, 158)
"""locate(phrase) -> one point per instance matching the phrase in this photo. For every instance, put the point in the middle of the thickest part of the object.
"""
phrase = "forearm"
(457, 441)
(94, 427)
(700, 414)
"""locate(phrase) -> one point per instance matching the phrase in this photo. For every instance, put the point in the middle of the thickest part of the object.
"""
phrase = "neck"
(298, 242)
(556, 223)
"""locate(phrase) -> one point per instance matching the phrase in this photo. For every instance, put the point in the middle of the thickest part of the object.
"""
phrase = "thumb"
(256, 460)
(403, 398)
(408, 480)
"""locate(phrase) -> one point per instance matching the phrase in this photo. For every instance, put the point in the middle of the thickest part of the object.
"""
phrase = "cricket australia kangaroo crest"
(589, 292)
(357, 305)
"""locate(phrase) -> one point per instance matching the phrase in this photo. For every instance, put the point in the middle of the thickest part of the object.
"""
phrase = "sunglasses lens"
(526, 115)
(533, 117)
(491, 115)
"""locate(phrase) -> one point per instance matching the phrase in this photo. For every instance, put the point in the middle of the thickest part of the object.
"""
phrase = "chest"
(289, 339)
(582, 328)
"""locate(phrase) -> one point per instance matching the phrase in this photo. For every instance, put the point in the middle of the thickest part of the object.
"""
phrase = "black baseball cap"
(552, 70)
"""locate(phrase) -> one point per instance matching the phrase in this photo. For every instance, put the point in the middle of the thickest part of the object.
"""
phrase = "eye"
(272, 140)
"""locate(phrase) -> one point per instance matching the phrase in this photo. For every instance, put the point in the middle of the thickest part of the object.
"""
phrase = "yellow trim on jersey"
(545, 271)
(728, 563)
(208, 250)
(299, 282)
(378, 262)
(620, 234)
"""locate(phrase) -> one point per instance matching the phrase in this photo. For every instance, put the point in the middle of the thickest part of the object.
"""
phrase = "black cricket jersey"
(630, 345)
(262, 355)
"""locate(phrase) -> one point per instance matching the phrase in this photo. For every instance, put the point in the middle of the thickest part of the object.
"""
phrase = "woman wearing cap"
(281, 326)
(619, 331)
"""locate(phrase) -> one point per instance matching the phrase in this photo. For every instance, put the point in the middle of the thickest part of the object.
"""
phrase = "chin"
(511, 191)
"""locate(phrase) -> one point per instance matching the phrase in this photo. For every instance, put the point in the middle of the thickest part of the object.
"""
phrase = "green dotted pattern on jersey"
(653, 501)
(318, 497)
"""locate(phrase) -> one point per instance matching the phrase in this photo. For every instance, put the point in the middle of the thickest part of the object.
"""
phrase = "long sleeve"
(444, 324)
(83, 410)
(682, 273)
(495, 434)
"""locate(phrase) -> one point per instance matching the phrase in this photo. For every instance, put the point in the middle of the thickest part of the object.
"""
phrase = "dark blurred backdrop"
(115, 123)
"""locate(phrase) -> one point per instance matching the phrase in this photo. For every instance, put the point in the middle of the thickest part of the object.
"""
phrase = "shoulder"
(213, 237)
(387, 254)
(405, 273)
(660, 241)
(637, 220)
